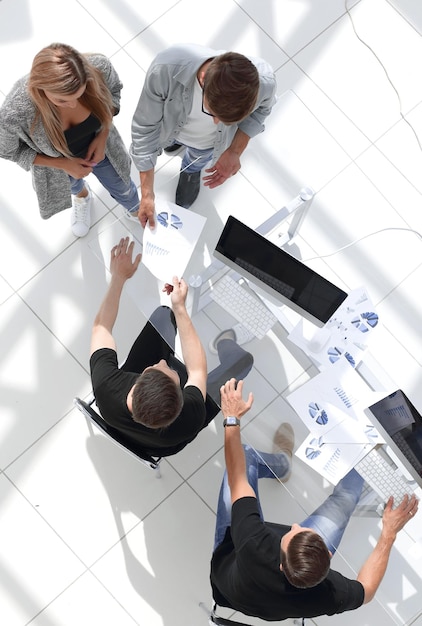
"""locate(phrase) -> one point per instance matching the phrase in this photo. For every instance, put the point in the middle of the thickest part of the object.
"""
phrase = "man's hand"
(121, 264)
(232, 402)
(121, 267)
(178, 293)
(394, 520)
(227, 165)
(146, 212)
(193, 352)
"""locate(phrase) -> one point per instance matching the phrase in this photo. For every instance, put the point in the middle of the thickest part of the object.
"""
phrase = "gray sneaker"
(225, 334)
(284, 440)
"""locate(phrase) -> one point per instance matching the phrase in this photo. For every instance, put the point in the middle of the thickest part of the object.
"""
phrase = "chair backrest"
(213, 618)
(91, 414)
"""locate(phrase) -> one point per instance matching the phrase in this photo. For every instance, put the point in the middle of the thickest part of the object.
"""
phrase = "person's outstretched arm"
(192, 350)
(146, 211)
(121, 267)
(233, 405)
(373, 570)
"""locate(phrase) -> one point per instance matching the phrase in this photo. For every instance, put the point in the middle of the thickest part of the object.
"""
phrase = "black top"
(246, 576)
(111, 386)
(79, 137)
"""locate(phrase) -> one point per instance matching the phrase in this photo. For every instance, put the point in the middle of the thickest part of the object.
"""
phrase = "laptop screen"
(402, 424)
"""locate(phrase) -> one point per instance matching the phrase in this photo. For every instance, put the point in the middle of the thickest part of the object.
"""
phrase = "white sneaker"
(132, 216)
(80, 218)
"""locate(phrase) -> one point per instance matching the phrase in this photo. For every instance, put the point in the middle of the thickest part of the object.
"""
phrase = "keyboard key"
(243, 305)
(383, 477)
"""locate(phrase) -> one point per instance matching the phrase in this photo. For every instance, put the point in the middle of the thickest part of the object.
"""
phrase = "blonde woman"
(58, 123)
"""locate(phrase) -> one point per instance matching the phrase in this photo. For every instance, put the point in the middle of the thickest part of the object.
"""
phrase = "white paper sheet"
(329, 458)
(345, 336)
(340, 386)
(168, 248)
(332, 405)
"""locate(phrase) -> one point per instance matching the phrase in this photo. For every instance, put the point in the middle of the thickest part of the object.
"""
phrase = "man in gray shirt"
(212, 102)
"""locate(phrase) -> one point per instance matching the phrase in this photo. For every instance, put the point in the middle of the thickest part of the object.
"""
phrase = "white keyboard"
(384, 477)
(243, 305)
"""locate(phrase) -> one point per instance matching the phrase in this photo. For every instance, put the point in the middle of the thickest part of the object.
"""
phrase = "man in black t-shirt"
(154, 399)
(274, 571)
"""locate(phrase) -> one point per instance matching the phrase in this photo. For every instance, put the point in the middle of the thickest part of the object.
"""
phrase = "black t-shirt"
(246, 576)
(111, 386)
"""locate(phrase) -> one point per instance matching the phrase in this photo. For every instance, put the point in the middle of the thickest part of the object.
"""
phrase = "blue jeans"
(194, 159)
(258, 465)
(125, 194)
(329, 520)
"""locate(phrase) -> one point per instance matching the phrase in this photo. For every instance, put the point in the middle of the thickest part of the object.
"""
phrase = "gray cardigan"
(17, 144)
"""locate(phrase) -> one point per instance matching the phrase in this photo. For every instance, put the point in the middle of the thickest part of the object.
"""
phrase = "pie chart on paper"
(318, 414)
(334, 354)
(365, 321)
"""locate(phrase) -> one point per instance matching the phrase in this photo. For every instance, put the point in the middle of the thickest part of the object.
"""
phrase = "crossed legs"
(329, 520)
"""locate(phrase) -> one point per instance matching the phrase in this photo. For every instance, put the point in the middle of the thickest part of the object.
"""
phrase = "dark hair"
(157, 400)
(231, 86)
(306, 562)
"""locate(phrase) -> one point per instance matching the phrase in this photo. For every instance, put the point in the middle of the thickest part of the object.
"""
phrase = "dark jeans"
(156, 341)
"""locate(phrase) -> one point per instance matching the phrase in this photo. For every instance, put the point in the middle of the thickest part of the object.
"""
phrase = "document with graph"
(332, 406)
(168, 248)
(329, 456)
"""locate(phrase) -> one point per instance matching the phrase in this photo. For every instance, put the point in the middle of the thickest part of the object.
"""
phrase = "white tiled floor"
(88, 535)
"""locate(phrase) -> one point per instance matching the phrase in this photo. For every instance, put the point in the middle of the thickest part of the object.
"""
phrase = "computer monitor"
(399, 422)
(280, 276)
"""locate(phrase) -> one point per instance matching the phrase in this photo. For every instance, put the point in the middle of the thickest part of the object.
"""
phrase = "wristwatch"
(231, 421)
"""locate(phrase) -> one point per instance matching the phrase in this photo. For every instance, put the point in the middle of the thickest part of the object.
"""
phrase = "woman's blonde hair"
(62, 70)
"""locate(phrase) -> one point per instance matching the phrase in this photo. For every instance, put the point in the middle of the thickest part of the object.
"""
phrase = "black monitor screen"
(403, 424)
(257, 258)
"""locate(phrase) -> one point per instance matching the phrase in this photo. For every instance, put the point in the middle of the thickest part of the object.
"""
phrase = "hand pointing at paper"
(168, 248)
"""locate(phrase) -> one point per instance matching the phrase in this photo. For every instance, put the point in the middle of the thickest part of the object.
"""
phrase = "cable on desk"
(352, 243)
(385, 71)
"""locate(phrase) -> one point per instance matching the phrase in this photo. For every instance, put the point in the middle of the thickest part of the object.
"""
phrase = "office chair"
(95, 418)
(213, 618)
(153, 462)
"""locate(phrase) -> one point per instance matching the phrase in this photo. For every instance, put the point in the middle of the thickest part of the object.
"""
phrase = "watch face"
(231, 421)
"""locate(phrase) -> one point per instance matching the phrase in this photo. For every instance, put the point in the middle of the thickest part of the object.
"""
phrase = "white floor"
(88, 535)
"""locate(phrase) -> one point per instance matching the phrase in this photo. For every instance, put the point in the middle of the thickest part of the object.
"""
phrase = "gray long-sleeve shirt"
(166, 101)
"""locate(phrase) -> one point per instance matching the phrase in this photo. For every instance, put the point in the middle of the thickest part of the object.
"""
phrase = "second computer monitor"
(278, 273)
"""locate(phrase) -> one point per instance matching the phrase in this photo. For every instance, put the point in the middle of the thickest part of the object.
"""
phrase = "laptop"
(400, 423)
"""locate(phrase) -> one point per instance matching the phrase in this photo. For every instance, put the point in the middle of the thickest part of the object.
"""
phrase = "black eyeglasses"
(202, 107)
